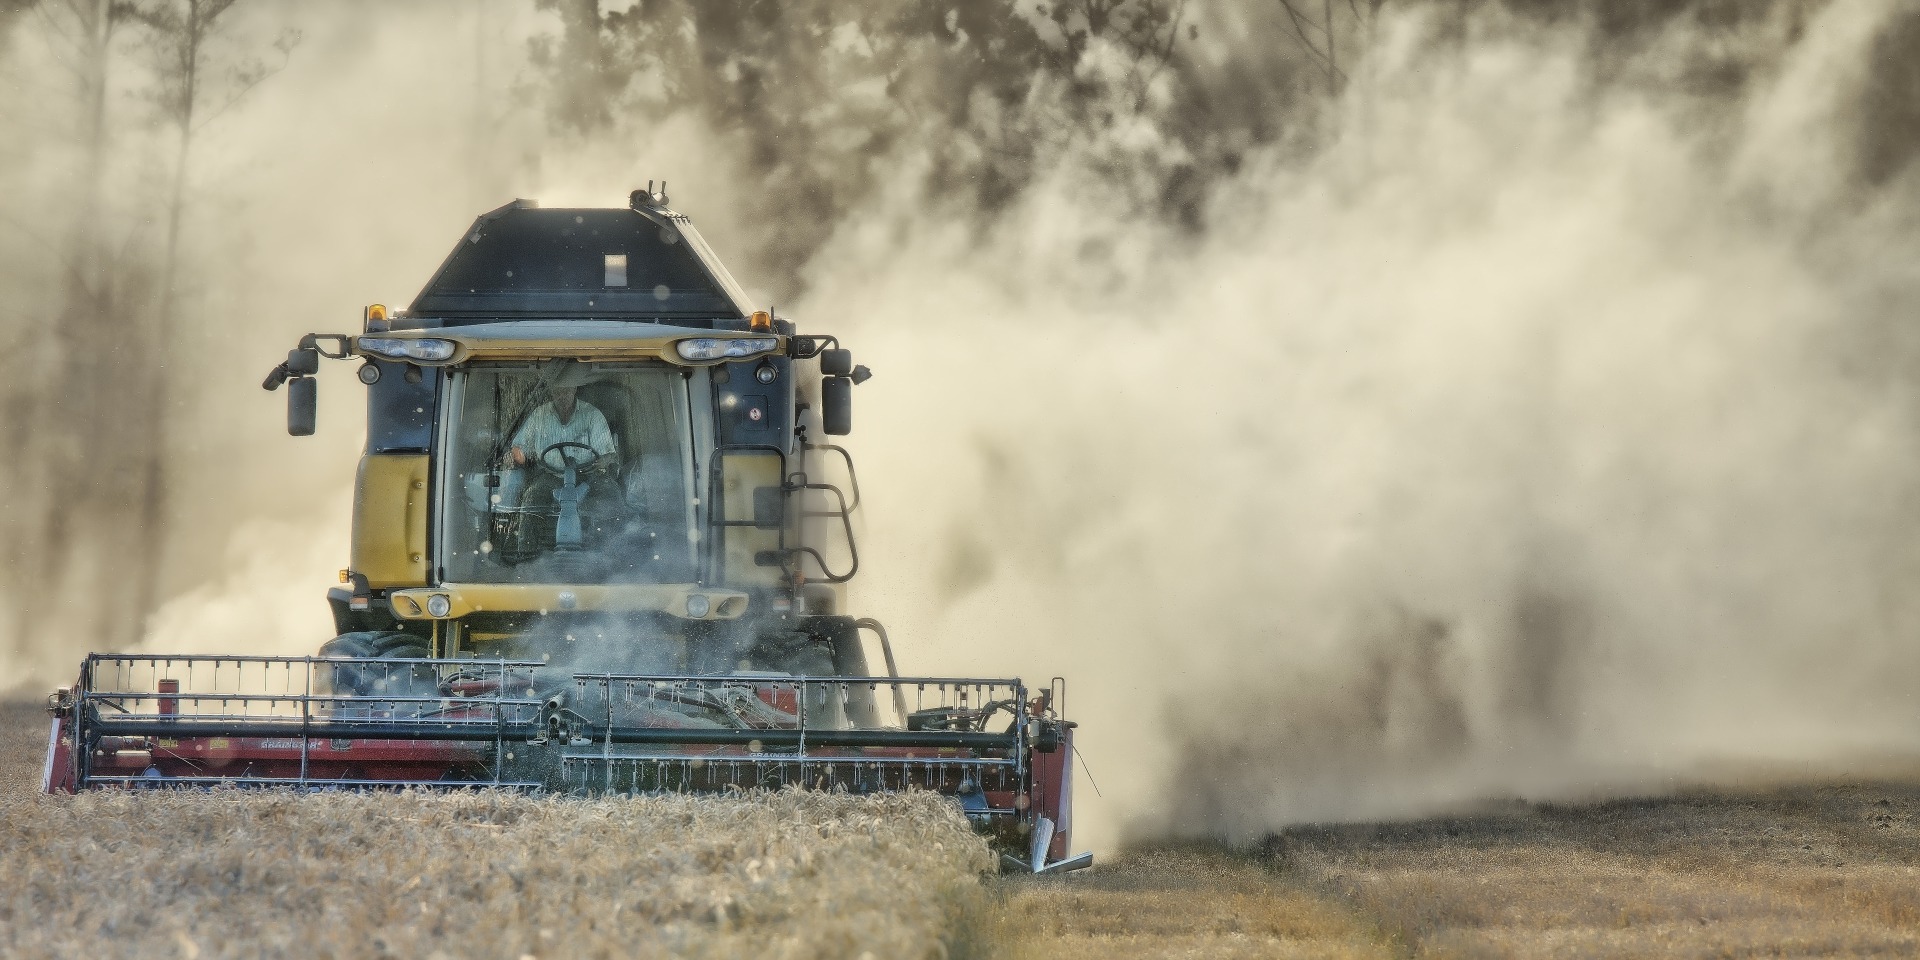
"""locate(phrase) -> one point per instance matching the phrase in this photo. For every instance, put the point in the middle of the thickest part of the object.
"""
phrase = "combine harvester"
(596, 549)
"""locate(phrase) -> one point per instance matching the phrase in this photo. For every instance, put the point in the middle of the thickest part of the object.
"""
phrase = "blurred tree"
(1889, 125)
(62, 402)
(179, 34)
(1320, 39)
(816, 91)
(193, 83)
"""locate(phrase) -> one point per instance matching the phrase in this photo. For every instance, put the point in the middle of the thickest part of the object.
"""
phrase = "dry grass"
(232, 873)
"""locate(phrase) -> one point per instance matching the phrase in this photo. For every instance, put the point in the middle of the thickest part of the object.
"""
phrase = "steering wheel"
(579, 466)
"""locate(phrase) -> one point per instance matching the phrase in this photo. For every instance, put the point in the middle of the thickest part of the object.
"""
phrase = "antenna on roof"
(649, 198)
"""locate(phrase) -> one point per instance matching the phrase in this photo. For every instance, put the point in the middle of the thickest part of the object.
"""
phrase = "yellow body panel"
(669, 598)
(390, 520)
(740, 474)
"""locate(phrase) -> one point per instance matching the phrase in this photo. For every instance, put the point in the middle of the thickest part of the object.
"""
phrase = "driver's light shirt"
(543, 429)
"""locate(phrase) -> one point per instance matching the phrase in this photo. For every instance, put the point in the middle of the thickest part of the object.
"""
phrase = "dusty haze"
(1533, 417)
(1545, 432)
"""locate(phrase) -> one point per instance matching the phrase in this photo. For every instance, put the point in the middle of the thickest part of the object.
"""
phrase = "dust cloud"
(1548, 431)
(340, 179)
(1534, 416)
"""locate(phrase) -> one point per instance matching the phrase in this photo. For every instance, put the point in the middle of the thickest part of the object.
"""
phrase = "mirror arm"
(808, 346)
(340, 342)
(341, 349)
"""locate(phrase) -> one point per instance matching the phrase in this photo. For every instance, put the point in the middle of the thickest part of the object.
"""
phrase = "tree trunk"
(153, 512)
(58, 400)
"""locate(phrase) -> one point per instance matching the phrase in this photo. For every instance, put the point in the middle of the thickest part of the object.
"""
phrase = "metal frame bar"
(779, 758)
(793, 747)
(803, 734)
(291, 714)
(478, 730)
(266, 782)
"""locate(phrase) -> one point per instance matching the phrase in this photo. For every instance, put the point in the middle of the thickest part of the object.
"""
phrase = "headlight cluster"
(395, 348)
(734, 348)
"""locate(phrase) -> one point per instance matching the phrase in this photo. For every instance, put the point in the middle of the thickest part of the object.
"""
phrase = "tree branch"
(1165, 54)
(1300, 24)
(246, 79)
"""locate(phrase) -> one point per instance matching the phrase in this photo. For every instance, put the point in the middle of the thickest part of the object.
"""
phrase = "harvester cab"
(600, 534)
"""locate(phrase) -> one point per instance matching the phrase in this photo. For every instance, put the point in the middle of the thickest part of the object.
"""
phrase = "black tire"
(842, 637)
(401, 646)
(376, 679)
(355, 646)
(823, 647)
(799, 653)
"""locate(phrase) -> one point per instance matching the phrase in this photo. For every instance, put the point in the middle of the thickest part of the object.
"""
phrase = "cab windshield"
(568, 472)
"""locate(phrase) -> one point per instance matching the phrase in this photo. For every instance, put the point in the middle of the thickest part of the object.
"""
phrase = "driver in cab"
(564, 419)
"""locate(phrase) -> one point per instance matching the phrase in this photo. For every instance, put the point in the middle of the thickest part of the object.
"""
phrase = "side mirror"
(303, 362)
(769, 508)
(836, 363)
(836, 406)
(302, 402)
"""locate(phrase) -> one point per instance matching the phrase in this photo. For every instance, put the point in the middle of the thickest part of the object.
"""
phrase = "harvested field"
(1828, 869)
(1810, 870)
(236, 873)
(1190, 901)
(1806, 870)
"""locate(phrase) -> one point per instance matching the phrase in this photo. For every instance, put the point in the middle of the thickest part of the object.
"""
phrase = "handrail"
(789, 485)
(853, 478)
(846, 521)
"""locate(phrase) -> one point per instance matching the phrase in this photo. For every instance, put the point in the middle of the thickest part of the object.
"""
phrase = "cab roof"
(642, 263)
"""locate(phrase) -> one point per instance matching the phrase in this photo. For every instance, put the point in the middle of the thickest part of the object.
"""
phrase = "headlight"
(711, 348)
(438, 605)
(698, 605)
(395, 348)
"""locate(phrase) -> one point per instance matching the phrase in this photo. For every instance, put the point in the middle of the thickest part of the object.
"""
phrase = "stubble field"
(1826, 869)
